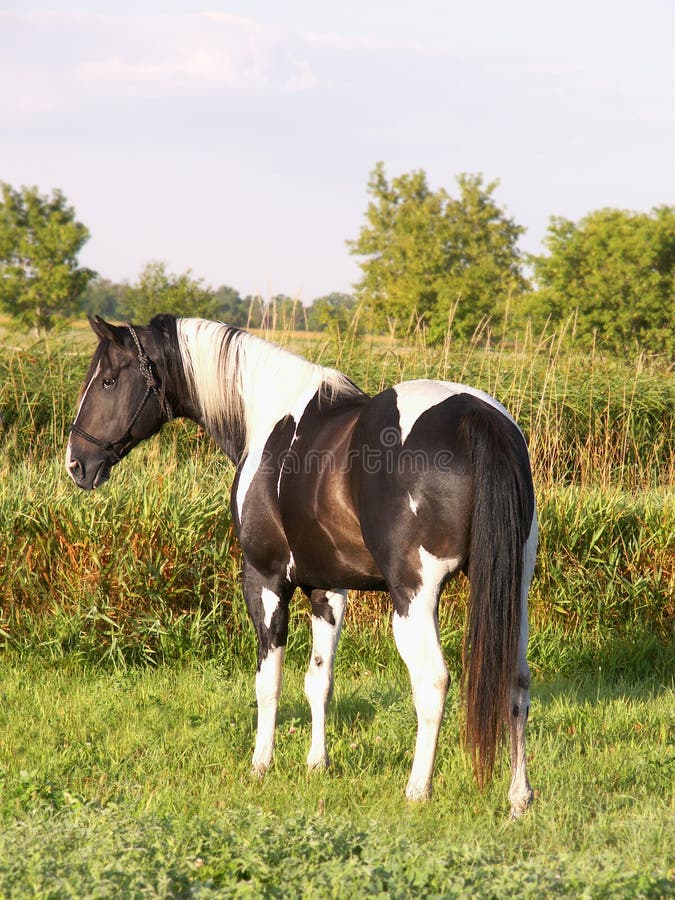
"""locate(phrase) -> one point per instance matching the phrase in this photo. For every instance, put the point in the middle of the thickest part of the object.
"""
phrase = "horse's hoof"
(415, 794)
(520, 806)
(318, 765)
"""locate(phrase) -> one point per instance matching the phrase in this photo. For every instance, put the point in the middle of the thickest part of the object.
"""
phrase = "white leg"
(417, 640)
(520, 791)
(267, 603)
(327, 615)
(267, 689)
(415, 625)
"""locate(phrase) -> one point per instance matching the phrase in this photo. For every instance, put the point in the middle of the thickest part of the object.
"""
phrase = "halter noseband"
(153, 387)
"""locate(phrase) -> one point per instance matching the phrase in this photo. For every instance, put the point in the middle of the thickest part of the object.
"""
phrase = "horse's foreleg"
(267, 690)
(267, 604)
(328, 609)
(520, 791)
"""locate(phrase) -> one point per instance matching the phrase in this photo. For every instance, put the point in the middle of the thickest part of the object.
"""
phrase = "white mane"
(240, 381)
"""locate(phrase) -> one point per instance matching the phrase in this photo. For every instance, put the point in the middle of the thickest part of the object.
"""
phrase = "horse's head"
(121, 403)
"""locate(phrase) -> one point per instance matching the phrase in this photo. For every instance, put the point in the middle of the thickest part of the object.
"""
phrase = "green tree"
(232, 308)
(102, 297)
(40, 279)
(159, 291)
(256, 311)
(429, 257)
(334, 312)
(614, 270)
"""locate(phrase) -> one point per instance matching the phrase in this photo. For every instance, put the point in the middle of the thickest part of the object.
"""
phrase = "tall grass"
(590, 420)
(147, 568)
(121, 776)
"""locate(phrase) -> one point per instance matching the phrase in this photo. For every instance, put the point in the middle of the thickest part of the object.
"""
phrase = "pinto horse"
(337, 490)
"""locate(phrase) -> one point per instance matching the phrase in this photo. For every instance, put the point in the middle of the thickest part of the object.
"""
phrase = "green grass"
(146, 570)
(127, 715)
(595, 421)
(137, 783)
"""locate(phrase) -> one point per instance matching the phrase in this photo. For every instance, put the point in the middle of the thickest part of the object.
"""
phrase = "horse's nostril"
(76, 467)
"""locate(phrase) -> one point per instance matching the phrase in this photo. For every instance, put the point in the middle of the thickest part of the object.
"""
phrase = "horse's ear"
(105, 331)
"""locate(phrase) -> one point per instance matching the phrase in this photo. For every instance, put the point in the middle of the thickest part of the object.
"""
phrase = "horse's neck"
(240, 386)
(275, 384)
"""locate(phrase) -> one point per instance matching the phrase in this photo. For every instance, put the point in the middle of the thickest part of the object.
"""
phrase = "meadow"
(128, 707)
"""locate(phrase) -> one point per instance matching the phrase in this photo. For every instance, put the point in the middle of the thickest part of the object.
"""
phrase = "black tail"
(503, 506)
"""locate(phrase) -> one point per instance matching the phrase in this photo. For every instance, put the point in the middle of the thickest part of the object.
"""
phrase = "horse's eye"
(108, 382)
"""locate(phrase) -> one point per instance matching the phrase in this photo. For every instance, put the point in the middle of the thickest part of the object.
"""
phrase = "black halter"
(153, 387)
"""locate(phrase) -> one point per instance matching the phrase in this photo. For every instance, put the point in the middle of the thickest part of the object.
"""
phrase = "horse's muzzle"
(88, 474)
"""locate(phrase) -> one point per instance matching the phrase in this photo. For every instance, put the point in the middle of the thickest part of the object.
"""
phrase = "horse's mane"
(244, 384)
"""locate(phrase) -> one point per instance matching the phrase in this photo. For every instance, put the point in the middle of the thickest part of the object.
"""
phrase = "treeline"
(158, 290)
(452, 265)
(447, 265)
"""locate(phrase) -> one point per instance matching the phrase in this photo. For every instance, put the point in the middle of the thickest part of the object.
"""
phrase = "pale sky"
(236, 138)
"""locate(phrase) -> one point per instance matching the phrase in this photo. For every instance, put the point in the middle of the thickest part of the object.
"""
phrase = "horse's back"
(415, 398)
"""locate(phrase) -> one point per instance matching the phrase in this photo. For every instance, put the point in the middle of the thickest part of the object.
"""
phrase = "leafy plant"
(615, 271)
(40, 238)
(430, 258)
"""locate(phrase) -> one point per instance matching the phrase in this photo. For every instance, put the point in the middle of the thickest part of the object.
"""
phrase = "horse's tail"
(503, 506)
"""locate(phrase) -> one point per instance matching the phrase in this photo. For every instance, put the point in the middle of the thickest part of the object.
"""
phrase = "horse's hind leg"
(328, 609)
(267, 602)
(520, 792)
(415, 625)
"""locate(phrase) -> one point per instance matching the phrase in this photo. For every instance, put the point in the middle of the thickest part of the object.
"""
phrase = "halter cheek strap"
(153, 387)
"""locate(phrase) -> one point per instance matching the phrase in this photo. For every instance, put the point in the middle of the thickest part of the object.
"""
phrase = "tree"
(334, 312)
(614, 270)
(232, 308)
(284, 312)
(102, 297)
(40, 280)
(430, 258)
(158, 291)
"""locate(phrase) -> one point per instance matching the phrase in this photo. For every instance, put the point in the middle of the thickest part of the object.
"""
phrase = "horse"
(336, 490)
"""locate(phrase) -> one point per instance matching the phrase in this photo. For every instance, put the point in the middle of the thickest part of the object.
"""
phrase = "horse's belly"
(330, 560)
(324, 533)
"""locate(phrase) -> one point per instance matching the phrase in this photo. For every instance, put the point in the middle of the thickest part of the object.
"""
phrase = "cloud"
(198, 68)
(360, 43)
(161, 55)
(179, 68)
(157, 55)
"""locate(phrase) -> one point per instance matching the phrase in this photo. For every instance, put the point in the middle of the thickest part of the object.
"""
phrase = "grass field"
(127, 715)
(137, 783)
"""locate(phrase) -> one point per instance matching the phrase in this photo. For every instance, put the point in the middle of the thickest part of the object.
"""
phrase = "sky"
(236, 139)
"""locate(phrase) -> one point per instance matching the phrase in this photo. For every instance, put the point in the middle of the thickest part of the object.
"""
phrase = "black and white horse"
(336, 490)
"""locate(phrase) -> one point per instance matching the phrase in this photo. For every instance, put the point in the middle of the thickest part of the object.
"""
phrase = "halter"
(153, 387)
